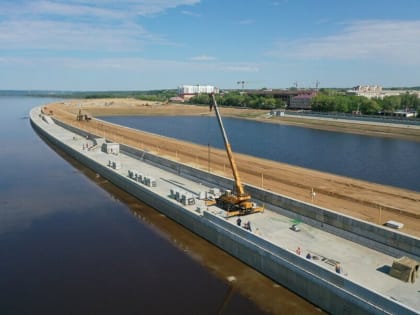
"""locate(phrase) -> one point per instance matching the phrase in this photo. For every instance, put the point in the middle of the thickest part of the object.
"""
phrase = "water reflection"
(23, 163)
(267, 295)
(385, 161)
(71, 242)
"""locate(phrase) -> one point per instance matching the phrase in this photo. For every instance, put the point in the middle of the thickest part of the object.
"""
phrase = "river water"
(72, 243)
(385, 161)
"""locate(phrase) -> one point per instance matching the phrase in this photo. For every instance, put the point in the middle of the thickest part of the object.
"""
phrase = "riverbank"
(376, 129)
(367, 201)
(273, 251)
(133, 107)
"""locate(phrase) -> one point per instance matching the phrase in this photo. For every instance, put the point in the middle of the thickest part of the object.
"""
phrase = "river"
(72, 243)
(386, 161)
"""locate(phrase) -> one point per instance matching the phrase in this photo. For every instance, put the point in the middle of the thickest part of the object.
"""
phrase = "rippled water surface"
(385, 161)
(72, 243)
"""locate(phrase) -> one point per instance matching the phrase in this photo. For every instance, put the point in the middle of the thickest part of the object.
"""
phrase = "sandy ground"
(115, 107)
(367, 201)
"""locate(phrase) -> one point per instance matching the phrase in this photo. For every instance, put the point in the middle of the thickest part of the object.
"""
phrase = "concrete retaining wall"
(380, 238)
(330, 291)
(391, 242)
(370, 235)
(307, 279)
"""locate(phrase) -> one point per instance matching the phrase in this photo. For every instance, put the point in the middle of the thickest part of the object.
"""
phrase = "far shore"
(367, 201)
(133, 107)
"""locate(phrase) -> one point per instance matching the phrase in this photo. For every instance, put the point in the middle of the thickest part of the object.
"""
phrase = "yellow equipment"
(80, 116)
(237, 202)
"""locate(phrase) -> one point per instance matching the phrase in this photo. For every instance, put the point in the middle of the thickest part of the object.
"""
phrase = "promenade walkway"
(362, 265)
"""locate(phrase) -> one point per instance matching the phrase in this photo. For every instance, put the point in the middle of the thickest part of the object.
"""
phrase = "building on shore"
(302, 101)
(176, 99)
(377, 91)
(400, 113)
(188, 91)
(369, 91)
(293, 98)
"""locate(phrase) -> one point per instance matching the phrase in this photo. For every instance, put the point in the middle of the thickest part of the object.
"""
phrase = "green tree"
(323, 103)
(409, 101)
(233, 99)
(200, 99)
(341, 104)
(390, 103)
(270, 103)
(369, 106)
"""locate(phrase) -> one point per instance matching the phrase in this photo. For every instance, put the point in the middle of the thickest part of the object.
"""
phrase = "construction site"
(300, 244)
(370, 202)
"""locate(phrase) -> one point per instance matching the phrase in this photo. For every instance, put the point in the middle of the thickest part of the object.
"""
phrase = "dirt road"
(367, 201)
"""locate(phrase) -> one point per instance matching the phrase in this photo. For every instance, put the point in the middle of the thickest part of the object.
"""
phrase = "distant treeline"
(327, 100)
(153, 95)
(237, 99)
(333, 101)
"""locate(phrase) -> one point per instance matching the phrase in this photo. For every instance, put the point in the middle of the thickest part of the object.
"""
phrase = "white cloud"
(240, 68)
(148, 7)
(190, 13)
(203, 58)
(246, 22)
(278, 3)
(104, 8)
(103, 26)
(61, 35)
(81, 25)
(322, 21)
(74, 10)
(131, 64)
(391, 41)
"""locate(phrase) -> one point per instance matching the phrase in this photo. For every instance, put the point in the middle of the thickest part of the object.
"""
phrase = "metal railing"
(369, 118)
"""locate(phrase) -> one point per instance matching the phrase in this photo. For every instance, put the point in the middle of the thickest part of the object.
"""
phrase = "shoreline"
(276, 254)
(367, 201)
(385, 130)
(133, 107)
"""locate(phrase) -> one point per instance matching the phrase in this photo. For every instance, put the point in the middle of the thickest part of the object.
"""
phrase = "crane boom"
(238, 183)
(239, 202)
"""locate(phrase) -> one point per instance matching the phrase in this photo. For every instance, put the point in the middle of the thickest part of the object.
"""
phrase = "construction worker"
(337, 268)
(238, 222)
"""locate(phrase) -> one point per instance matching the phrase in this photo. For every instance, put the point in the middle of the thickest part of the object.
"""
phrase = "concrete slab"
(362, 265)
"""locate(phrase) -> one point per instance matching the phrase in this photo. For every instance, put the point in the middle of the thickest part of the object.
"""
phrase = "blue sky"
(158, 44)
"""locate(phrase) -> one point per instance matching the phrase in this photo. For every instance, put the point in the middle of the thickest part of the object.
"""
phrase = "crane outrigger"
(237, 202)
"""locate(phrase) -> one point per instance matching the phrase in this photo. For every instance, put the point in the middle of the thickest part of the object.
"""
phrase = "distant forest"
(333, 101)
(153, 95)
(237, 99)
(327, 100)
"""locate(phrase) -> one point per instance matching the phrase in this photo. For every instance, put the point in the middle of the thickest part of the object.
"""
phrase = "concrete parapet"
(381, 238)
(371, 235)
(333, 292)
(309, 280)
(390, 242)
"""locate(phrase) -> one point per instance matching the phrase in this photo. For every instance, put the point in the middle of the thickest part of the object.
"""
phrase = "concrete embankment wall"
(370, 235)
(333, 292)
(330, 291)
(391, 242)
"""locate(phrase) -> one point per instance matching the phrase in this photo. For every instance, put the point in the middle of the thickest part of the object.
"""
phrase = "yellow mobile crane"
(237, 202)
(80, 116)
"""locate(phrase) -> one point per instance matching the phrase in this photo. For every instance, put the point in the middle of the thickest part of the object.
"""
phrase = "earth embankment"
(367, 201)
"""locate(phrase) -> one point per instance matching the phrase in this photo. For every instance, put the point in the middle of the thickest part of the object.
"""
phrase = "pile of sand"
(367, 201)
